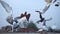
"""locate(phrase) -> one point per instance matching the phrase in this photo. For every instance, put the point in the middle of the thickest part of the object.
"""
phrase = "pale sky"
(20, 6)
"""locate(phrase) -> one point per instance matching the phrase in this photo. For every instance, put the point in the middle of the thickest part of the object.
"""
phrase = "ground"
(27, 33)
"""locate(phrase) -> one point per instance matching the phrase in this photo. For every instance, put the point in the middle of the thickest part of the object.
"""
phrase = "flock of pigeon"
(11, 20)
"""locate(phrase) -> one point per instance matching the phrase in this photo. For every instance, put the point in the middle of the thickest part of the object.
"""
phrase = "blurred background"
(30, 6)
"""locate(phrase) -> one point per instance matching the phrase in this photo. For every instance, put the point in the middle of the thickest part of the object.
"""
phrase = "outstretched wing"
(46, 8)
(49, 19)
(6, 6)
(27, 17)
